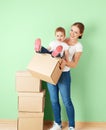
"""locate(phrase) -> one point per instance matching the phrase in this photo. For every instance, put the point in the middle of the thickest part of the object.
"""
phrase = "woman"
(64, 83)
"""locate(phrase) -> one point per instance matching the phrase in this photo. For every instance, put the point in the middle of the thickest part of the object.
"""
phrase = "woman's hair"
(80, 26)
(60, 29)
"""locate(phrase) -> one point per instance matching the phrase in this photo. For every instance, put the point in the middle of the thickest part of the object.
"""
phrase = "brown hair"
(80, 26)
(60, 29)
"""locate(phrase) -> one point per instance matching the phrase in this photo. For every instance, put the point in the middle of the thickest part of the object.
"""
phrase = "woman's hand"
(62, 64)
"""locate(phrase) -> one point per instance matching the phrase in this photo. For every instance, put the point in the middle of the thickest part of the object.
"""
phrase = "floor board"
(48, 125)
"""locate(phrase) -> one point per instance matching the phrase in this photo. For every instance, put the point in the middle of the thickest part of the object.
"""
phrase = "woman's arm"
(74, 62)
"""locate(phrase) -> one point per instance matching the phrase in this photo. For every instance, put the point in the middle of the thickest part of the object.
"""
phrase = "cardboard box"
(45, 67)
(25, 82)
(31, 102)
(30, 121)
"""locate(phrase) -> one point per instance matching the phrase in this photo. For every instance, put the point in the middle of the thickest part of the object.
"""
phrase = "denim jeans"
(63, 86)
(44, 50)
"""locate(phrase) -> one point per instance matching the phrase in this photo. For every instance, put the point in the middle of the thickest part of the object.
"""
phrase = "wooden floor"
(47, 125)
(80, 126)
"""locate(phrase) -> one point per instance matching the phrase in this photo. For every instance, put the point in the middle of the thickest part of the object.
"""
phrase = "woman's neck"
(72, 41)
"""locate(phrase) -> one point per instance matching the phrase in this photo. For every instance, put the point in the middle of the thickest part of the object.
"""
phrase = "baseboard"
(90, 124)
(8, 121)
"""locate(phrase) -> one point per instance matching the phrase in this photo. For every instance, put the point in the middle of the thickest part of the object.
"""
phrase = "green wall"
(22, 21)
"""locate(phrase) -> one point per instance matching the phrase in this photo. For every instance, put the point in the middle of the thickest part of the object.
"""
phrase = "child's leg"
(37, 45)
(38, 48)
(44, 50)
(57, 51)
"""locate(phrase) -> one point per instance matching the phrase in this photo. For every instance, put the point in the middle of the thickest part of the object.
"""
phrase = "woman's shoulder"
(79, 44)
(79, 47)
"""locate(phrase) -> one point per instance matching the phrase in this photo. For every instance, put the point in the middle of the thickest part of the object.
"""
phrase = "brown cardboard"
(31, 102)
(45, 67)
(30, 121)
(25, 82)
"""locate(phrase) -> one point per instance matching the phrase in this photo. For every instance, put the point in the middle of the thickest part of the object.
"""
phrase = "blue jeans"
(63, 86)
(44, 50)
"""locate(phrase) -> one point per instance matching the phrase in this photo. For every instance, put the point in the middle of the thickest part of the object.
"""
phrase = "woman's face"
(75, 32)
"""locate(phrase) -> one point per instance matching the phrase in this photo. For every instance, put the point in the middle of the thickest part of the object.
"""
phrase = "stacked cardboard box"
(31, 97)
(30, 101)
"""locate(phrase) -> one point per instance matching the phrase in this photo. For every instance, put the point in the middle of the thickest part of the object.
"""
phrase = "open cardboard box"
(45, 67)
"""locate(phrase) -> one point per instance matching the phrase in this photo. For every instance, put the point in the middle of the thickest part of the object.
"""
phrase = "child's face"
(60, 36)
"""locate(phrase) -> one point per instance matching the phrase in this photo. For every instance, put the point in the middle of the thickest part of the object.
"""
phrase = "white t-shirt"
(72, 50)
(56, 43)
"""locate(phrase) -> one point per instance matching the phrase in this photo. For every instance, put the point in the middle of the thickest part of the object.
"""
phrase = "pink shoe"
(57, 51)
(37, 45)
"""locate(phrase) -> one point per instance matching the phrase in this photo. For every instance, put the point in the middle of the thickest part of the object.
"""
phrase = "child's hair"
(80, 26)
(60, 29)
